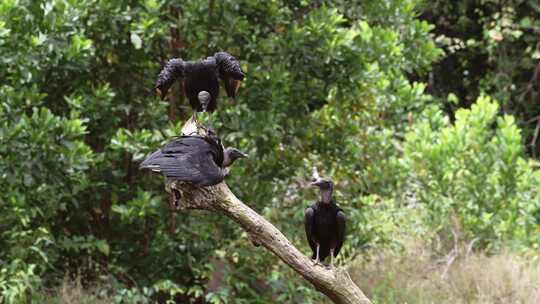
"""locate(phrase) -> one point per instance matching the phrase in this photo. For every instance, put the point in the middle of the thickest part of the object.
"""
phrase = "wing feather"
(173, 70)
(341, 220)
(188, 158)
(309, 223)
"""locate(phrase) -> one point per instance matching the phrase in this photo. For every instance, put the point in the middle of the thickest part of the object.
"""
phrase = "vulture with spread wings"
(202, 75)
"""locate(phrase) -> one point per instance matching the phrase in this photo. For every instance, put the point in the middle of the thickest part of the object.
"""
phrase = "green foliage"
(474, 170)
(328, 86)
(43, 170)
(492, 48)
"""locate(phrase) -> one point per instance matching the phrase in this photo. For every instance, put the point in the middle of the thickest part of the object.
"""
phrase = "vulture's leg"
(331, 257)
(317, 262)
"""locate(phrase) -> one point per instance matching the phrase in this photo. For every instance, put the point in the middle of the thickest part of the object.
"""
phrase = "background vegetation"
(424, 113)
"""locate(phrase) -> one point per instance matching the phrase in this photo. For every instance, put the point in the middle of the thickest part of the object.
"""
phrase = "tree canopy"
(423, 113)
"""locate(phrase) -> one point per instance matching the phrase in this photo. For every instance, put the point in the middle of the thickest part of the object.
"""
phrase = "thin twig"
(535, 135)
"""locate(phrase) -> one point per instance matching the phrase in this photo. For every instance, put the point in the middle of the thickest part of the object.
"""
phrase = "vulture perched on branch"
(324, 223)
(200, 160)
(200, 76)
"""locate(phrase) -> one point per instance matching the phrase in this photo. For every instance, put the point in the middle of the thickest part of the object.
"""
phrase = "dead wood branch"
(335, 283)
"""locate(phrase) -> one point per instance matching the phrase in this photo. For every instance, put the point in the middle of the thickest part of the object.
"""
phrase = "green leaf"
(136, 40)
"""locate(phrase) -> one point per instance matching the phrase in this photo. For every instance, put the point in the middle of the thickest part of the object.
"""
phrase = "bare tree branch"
(335, 283)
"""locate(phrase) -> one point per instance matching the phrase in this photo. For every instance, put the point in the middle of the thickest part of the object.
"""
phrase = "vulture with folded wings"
(200, 160)
(324, 223)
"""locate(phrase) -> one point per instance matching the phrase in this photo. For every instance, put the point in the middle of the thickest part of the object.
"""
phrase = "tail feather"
(172, 166)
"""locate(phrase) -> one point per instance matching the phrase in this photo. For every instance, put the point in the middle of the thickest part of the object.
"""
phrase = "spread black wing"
(230, 72)
(173, 70)
(309, 225)
(189, 158)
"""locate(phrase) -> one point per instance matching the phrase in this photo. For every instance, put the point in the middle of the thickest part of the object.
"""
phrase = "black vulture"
(200, 160)
(325, 224)
(200, 76)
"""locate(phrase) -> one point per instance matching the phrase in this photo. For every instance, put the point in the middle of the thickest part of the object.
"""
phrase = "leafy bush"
(474, 170)
(44, 168)
(327, 86)
(491, 48)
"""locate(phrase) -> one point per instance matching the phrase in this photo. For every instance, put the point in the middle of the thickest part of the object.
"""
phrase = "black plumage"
(200, 160)
(325, 224)
(202, 75)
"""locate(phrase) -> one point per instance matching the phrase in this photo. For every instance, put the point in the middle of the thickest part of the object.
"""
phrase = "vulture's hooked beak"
(316, 182)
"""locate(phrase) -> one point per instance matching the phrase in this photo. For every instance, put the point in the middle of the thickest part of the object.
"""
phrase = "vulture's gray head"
(326, 187)
(230, 155)
(323, 184)
(204, 98)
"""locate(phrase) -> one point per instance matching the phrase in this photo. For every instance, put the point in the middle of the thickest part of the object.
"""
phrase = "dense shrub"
(474, 170)
(327, 86)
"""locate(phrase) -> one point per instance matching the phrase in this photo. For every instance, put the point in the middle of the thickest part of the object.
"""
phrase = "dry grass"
(501, 278)
(71, 292)
(417, 277)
